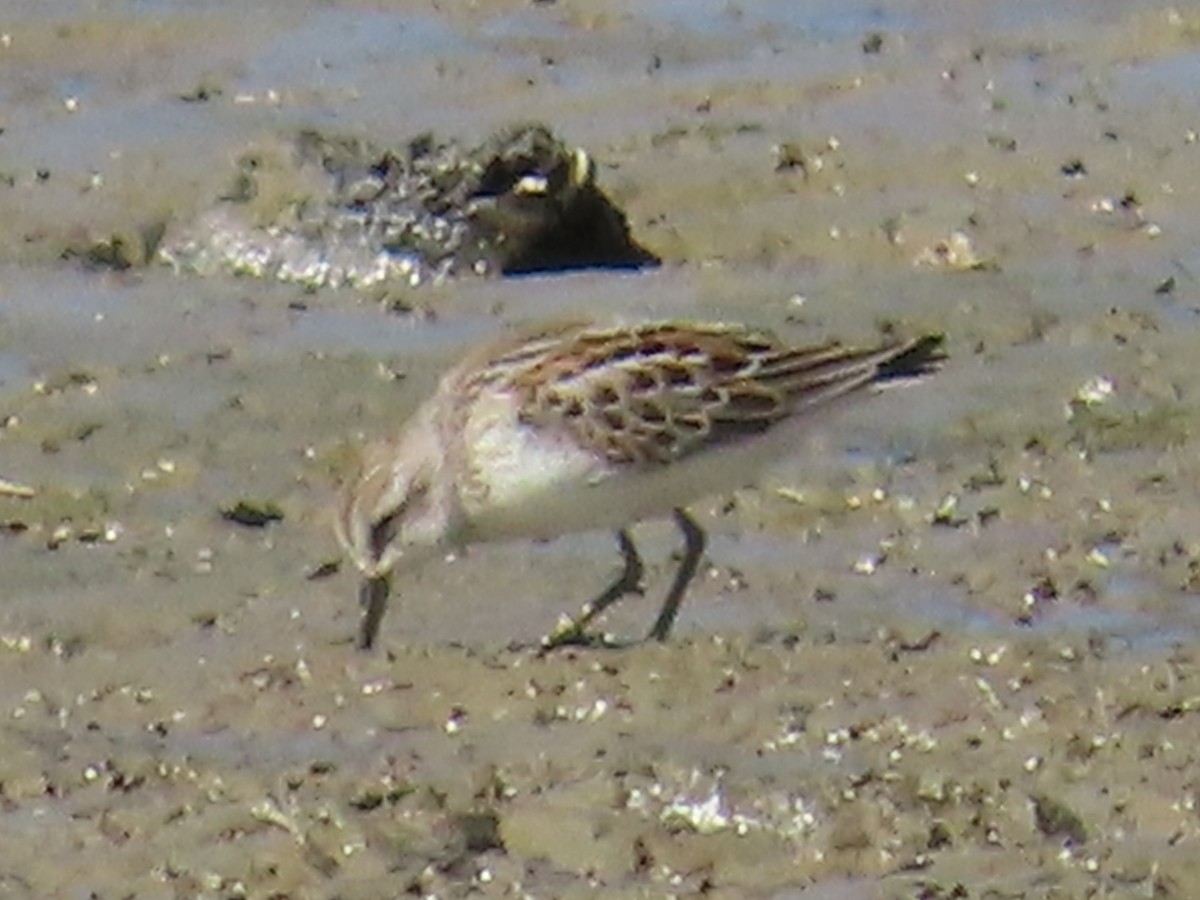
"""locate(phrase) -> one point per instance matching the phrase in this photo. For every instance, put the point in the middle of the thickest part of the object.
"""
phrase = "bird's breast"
(513, 468)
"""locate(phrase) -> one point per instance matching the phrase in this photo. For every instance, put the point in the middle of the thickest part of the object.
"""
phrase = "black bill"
(373, 598)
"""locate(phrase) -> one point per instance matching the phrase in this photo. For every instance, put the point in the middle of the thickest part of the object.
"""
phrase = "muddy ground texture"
(948, 651)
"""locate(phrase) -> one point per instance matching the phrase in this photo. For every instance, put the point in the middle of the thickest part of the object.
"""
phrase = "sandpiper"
(573, 427)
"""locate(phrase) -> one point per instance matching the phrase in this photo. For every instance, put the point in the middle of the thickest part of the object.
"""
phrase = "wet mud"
(946, 649)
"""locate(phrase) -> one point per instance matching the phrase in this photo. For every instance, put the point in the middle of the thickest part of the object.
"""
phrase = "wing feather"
(656, 393)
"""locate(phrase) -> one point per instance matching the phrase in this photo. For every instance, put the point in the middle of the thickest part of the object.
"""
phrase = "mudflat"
(944, 650)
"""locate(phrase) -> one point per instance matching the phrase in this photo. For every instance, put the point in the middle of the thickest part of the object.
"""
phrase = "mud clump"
(341, 211)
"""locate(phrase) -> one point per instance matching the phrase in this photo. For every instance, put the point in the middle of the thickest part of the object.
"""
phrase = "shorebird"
(573, 427)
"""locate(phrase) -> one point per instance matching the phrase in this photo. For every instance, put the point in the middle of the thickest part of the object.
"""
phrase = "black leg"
(693, 549)
(628, 582)
(373, 598)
